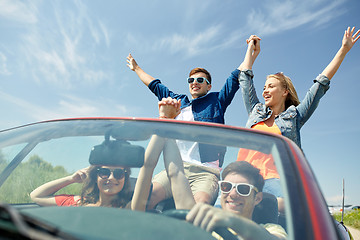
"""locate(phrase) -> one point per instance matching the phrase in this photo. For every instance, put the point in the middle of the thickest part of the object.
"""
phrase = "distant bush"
(28, 176)
(351, 218)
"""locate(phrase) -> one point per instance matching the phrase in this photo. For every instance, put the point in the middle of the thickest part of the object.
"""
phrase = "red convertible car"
(37, 153)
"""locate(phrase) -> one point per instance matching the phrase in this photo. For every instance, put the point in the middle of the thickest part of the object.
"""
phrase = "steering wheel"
(181, 214)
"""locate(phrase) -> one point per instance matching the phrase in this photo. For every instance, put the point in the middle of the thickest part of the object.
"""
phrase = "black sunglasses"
(105, 173)
(199, 80)
(243, 189)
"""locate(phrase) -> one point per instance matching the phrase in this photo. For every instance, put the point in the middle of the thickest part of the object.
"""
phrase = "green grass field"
(28, 176)
(351, 218)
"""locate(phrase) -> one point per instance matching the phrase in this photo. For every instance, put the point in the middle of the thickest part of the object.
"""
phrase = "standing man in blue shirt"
(202, 162)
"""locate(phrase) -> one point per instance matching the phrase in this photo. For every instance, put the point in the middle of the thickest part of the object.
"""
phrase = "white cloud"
(95, 77)
(79, 107)
(192, 44)
(64, 57)
(32, 111)
(67, 107)
(278, 16)
(105, 32)
(270, 18)
(71, 106)
(3, 65)
(46, 64)
(60, 49)
(18, 11)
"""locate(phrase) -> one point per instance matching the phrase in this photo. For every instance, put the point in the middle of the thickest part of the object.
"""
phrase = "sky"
(61, 59)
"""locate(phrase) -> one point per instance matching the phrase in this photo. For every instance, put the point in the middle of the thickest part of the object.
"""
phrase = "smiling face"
(234, 202)
(274, 93)
(110, 185)
(199, 89)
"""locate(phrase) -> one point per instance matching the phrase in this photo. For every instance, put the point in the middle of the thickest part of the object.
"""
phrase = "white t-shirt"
(189, 151)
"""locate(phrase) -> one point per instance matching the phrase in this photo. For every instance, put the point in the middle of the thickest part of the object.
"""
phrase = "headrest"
(117, 153)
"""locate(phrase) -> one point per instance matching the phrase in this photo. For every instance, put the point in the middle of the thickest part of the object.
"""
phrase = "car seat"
(267, 210)
(165, 205)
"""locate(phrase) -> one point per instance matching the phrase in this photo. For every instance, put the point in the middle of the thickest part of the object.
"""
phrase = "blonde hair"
(292, 97)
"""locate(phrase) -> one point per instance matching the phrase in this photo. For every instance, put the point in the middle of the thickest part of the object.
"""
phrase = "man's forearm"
(248, 229)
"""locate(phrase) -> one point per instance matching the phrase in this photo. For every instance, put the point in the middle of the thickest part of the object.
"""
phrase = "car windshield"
(33, 155)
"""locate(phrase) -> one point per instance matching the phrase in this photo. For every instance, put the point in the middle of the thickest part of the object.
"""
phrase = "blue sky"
(63, 59)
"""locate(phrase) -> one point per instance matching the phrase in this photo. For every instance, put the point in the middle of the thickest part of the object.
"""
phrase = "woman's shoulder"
(261, 107)
(290, 112)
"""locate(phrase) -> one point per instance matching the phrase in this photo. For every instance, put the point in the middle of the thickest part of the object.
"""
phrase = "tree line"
(28, 176)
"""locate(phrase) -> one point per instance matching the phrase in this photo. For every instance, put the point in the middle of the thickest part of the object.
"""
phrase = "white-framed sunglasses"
(199, 80)
(243, 189)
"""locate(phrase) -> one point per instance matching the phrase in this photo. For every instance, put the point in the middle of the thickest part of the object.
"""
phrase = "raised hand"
(252, 52)
(169, 107)
(144, 77)
(80, 175)
(208, 217)
(254, 45)
(349, 38)
(131, 63)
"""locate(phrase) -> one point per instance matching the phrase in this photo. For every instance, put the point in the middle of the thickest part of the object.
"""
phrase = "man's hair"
(203, 70)
(247, 170)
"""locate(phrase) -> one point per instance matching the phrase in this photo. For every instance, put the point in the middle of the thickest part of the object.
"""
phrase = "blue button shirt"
(208, 108)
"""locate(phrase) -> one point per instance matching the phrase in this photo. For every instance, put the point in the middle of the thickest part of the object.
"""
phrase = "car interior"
(124, 143)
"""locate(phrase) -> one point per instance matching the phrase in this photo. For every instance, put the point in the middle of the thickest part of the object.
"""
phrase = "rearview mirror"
(117, 153)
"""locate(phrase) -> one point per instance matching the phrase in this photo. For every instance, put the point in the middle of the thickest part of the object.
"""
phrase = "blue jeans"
(273, 187)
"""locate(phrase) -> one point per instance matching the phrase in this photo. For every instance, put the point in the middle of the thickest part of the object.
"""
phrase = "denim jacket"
(293, 118)
(208, 108)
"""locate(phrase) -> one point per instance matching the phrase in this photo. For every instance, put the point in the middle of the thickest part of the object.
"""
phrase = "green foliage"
(28, 176)
(351, 218)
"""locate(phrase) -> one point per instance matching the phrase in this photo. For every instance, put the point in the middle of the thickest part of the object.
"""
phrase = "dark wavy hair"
(247, 170)
(90, 190)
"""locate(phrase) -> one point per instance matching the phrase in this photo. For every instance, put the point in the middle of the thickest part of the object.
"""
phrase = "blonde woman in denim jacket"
(282, 112)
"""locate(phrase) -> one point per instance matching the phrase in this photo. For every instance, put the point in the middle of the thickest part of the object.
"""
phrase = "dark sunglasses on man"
(199, 80)
(243, 189)
(105, 173)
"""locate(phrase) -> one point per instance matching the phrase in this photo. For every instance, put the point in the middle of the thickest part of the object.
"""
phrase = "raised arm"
(143, 182)
(180, 187)
(252, 52)
(168, 108)
(44, 195)
(144, 77)
(348, 41)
